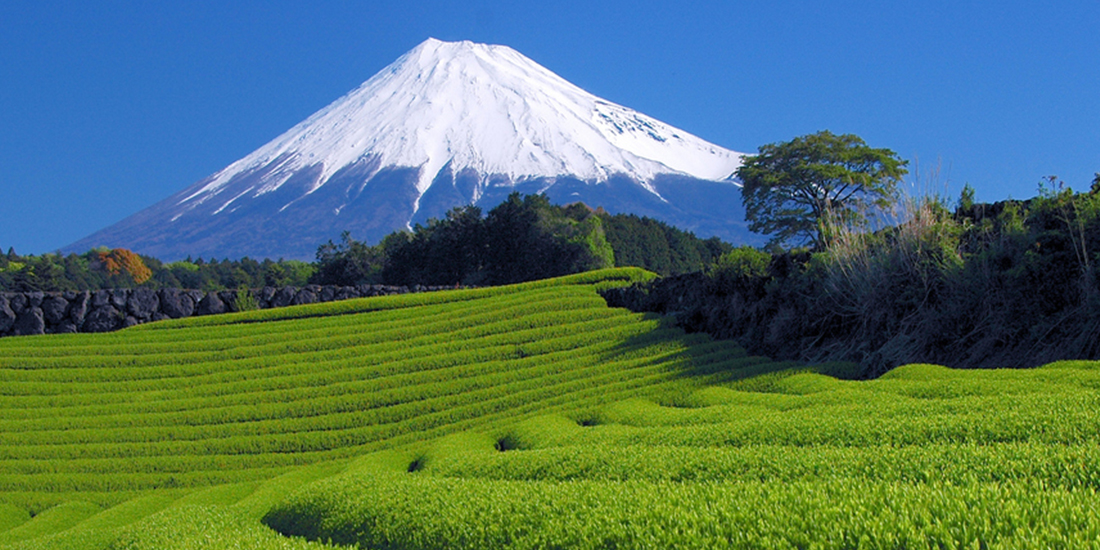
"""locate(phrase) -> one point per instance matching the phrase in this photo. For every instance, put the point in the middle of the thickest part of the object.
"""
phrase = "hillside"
(523, 416)
(99, 430)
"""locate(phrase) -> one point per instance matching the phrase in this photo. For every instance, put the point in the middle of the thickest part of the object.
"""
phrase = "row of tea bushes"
(924, 457)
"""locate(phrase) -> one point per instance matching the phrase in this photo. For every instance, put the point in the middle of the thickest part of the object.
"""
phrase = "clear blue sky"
(107, 107)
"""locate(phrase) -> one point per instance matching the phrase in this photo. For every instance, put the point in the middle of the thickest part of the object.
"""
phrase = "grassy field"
(529, 416)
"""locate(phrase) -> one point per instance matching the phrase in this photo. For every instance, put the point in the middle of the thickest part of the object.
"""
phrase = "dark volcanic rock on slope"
(29, 313)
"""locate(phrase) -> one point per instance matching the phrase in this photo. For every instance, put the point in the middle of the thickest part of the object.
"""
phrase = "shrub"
(743, 262)
(245, 300)
(741, 269)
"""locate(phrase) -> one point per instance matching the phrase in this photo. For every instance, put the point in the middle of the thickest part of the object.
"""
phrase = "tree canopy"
(792, 190)
(522, 239)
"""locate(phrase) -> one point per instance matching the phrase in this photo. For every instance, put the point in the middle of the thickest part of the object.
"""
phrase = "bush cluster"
(1010, 284)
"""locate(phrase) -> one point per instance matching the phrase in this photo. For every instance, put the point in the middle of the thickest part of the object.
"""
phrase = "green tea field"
(526, 416)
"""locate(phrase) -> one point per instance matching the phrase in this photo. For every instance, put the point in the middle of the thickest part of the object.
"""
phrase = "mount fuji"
(447, 124)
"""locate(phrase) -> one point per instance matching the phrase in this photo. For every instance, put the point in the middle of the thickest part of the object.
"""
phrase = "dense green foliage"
(88, 271)
(922, 458)
(1011, 284)
(658, 247)
(523, 239)
(793, 190)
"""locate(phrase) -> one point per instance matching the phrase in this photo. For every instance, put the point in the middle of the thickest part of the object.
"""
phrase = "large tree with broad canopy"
(794, 190)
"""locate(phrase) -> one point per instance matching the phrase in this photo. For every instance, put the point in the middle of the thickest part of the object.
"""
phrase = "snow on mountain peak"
(479, 106)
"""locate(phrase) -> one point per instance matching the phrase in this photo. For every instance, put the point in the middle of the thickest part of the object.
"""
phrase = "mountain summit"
(447, 124)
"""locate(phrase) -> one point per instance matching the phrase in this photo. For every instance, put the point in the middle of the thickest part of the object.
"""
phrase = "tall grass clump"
(1008, 284)
(885, 290)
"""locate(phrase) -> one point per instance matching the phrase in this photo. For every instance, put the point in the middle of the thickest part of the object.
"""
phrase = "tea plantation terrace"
(527, 416)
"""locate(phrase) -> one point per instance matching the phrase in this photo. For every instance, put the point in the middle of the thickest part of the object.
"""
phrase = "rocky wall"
(26, 313)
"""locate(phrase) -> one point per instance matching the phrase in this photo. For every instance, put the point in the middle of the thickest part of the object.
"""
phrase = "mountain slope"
(447, 124)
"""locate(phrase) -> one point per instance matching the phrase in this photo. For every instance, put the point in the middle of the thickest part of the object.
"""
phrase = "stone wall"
(24, 313)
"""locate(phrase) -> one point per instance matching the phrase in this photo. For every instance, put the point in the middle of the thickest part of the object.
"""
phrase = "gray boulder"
(103, 319)
(229, 297)
(34, 299)
(176, 304)
(196, 296)
(18, 303)
(30, 322)
(55, 309)
(143, 303)
(101, 298)
(266, 294)
(66, 327)
(7, 316)
(284, 296)
(304, 296)
(119, 297)
(211, 304)
(347, 292)
(78, 307)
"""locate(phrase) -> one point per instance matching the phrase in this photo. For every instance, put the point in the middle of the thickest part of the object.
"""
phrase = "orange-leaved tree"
(121, 260)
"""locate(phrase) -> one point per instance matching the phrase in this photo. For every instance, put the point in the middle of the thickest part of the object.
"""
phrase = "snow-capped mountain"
(447, 124)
